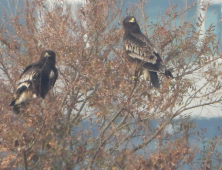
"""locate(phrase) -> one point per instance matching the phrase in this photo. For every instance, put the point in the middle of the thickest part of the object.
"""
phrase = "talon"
(134, 78)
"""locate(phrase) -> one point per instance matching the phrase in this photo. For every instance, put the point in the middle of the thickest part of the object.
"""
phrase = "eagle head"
(48, 55)
(130, 24)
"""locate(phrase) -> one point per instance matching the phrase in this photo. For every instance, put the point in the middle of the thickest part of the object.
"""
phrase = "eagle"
(141, 51)
(35, 81)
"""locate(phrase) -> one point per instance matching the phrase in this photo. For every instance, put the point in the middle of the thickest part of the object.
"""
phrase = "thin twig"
(25, 160)
(155, 134)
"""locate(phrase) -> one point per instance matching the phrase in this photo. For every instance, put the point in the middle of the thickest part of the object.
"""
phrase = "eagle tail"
(154, 79)
(16, 107)
(168, 74)
(12, 103)
(23, 94)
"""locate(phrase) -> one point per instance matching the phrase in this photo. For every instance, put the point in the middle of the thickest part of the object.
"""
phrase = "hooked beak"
(46, 55)
(132, 20)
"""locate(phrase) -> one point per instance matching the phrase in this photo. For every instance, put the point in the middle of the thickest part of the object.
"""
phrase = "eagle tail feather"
(154, 79)
(16, 108)
(168, 74)
(21, 89)
(23, 94)
(12, 103)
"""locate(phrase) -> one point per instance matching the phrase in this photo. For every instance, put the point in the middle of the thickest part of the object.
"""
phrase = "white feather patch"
(52, 74)
(42, 102)
(27, 84)
(26, 95)
(155, 50)
(146, 74)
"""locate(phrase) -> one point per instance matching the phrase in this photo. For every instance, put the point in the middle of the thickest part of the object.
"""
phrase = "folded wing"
(27, 86)
(139, 47)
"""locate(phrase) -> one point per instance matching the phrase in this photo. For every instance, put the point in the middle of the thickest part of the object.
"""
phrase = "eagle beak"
(46, 55)
(132, 20)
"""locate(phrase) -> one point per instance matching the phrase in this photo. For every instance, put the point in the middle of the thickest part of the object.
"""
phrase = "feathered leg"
(146, 74)
(154, 79)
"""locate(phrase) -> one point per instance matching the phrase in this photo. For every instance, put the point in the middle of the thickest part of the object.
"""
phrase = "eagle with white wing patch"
(36, 80)
(141, 51)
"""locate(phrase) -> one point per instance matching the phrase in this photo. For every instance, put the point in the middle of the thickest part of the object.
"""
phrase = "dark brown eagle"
(141, 51)
(36, 80)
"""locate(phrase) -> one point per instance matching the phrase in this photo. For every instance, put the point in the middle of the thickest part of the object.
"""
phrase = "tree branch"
(25, 160)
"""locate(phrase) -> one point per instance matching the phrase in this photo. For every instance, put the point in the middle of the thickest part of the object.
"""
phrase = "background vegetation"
(96, 116)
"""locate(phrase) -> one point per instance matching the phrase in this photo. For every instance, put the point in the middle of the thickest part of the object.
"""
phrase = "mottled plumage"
(141, 51)
(36, 80)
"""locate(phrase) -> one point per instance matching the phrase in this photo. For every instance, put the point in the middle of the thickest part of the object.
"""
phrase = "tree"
(97, 116)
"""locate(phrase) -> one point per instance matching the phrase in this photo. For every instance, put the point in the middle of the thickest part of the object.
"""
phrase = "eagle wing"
(26, 86)
(32, 73)
(139, 47)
